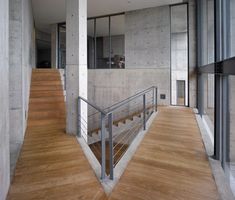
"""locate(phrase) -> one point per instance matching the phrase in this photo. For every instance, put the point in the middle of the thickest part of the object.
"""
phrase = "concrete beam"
(76, 61)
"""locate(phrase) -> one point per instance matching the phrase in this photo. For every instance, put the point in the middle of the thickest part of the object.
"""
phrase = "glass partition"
(62, 46)
(209, 100)
(91, 44)
(102, 43)
(118, 41)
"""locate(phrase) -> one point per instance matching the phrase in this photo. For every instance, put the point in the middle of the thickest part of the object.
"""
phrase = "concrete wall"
(22, 60)
(106, 87)
(232, 88)
(147, 38)
(179, 52)
(192, 54)
(147, 52)
(232, 117)
(4, 99)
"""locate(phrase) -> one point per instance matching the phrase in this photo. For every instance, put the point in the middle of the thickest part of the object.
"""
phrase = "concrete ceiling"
(48, 12)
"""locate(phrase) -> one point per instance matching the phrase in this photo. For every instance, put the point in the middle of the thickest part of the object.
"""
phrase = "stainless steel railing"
(117, 125)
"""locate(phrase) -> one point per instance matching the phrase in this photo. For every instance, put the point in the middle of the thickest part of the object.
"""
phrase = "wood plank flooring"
(169, 164)
(51, 165)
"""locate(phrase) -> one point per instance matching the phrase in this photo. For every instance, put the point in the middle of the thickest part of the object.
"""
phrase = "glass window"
(91, 44)
(62, 46)
(209, 99)
(208, 36)
(102, 43)
(118, 41)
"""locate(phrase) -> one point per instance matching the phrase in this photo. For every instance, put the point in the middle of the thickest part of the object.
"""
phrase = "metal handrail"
(108, 114)
(121, 103)
(92, 105)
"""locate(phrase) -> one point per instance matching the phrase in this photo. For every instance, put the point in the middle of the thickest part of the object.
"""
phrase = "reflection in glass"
(118, 41)
(102, 43)
(62, 46)
(91, 44)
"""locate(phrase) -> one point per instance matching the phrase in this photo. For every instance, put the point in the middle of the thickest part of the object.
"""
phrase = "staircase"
(46, 103)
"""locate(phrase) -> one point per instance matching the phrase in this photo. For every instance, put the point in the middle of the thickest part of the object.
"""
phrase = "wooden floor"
(51, 165)
(169, 164)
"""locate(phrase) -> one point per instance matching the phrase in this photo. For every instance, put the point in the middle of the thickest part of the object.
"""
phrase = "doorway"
(180, 92)
(43, 54)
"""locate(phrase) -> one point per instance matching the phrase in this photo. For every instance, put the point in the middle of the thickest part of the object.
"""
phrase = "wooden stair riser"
(55, 99)
(46, 83)
(45, 78)
(47, 114)
(46, 88)
(46, 106)
(45, 94)
(45, 122)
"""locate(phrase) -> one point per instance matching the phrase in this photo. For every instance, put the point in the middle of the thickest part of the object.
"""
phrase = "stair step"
(45, 70)
(46, 99)
(48, 93)
(44, 122)
(47, 77)
(45, 88)
(46, 106)
(43, 114)
(46, 83)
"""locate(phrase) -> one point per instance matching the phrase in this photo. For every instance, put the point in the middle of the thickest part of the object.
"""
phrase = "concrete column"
(76, 61)
(4, 100)
(54, 46)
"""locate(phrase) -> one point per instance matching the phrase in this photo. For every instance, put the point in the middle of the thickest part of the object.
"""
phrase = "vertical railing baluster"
(144, 111)
(111, 145)
(156, 99)
(79, 118)
(154, 109)
(103, 146)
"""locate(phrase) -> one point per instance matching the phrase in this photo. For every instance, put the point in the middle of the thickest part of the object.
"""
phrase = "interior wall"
(147, 52)
(147, 38)
(108, 86)
(4, 99)
(21, 60)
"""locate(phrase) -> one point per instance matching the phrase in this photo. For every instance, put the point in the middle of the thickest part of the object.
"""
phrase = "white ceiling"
(48, 12)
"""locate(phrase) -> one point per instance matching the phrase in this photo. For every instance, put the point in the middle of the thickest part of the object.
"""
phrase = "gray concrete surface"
(147, 53)
(147, 38)
(21, 62)
(76, 60)
(192, 54)
(4, 100)
(109, 86)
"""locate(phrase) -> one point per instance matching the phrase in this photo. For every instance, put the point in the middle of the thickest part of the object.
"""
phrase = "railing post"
(144, 111)
(154, 109)
(79, 118)
(111, 145)
(103, 146)
(156, 94)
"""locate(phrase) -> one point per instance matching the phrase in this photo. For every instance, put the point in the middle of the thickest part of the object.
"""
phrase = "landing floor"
(170, 163)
